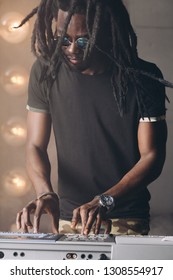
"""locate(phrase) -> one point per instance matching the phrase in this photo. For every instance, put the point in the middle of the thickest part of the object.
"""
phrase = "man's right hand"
(48, 204)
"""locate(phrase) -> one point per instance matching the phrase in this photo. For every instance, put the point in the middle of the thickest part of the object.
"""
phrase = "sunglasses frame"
(67, 43)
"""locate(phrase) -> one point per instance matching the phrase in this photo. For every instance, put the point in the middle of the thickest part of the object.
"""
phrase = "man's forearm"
(152, 149)
(38, 168)
(142, 174)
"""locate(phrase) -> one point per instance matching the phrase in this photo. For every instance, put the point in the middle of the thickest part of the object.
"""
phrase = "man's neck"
(97, 68)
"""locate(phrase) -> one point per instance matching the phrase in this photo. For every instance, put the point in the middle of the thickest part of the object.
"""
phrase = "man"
(107, 108)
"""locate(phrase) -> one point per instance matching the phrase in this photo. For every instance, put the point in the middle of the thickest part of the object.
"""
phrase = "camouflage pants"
(119, 227)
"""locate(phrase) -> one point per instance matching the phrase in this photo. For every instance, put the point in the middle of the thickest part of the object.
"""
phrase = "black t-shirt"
(96, 147)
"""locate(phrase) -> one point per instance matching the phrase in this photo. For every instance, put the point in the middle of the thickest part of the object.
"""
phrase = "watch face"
(106, 201)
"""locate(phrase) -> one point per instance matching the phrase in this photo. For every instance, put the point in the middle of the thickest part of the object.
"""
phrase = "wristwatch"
(106, 201)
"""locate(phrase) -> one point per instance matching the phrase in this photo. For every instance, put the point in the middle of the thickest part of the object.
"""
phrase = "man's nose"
(73, 48)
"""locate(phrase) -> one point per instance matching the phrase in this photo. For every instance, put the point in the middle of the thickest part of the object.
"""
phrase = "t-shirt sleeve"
(154, 96)
(37, 96)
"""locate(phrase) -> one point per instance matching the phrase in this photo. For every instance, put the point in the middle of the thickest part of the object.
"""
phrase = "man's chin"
(75, 64)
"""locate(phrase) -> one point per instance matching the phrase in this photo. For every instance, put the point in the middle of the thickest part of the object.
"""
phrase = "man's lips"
(74, 59)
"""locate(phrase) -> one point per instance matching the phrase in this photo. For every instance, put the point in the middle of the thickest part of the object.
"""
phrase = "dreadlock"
(101, 15)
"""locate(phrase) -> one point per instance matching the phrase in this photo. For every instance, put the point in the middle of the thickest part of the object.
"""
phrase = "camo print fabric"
(119, 227)
(130, 227)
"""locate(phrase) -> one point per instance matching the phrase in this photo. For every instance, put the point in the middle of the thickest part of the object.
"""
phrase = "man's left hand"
(92, 216)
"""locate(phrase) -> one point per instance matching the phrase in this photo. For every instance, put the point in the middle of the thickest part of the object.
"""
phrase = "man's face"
(75, 39)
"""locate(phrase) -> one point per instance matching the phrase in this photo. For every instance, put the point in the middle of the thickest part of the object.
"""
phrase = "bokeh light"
(16, 182)
(14, 80)
(14, 131)
(8, 32)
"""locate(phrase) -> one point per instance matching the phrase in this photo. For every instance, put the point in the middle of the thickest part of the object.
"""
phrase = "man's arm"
(37, 161)
(152, 138)
(38, 168)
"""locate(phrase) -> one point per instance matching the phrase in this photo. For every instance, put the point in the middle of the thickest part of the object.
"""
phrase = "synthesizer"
(48, 246)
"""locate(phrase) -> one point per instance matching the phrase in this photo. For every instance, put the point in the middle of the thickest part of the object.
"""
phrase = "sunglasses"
(81, 42)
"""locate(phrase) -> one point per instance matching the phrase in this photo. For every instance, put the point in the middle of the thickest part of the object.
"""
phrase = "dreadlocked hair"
(108, 17)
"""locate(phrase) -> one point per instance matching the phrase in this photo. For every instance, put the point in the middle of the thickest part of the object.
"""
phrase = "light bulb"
(8, 32)
(16, 182)
(15, 80)
(14, 131)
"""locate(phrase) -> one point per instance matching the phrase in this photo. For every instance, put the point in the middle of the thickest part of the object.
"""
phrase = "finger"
(24, 228)
(55, 224)
(18, 220)
(75, 218)
(27, 210)
(108, 226)
(84, 218)
(97, 224)
(37, 216)
(25, 222)
(88, 220)
(102, 213)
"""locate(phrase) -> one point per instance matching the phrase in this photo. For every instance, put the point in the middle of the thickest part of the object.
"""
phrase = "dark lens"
(65, 42)
(82, 43)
